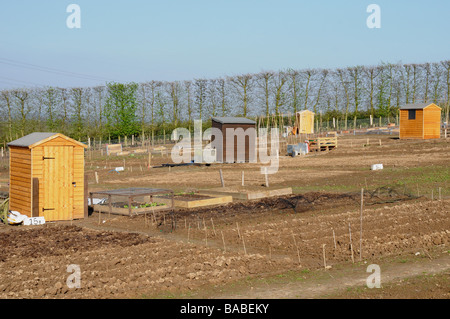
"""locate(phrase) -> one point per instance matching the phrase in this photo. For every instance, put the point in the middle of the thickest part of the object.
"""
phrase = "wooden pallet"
(322, 144)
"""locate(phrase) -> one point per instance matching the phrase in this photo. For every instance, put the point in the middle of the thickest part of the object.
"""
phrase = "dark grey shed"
(240, 148)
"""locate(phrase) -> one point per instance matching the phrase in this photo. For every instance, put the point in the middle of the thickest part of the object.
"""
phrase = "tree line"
(157, 107)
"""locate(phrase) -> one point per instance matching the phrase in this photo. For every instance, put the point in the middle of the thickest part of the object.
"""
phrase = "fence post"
(86, 207)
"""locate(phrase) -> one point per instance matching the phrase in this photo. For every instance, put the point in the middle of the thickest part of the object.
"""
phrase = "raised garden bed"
(192, 200)
(138, 201)
(247, 193)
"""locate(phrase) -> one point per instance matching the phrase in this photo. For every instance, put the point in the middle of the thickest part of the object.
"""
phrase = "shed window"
(411, 114)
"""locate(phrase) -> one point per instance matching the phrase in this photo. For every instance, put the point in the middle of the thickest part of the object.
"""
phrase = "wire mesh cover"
(134, 191)
(131, 201)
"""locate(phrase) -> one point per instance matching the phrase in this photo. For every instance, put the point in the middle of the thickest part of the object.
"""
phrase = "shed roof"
(35, 138)
(233, 120)
(416, 106)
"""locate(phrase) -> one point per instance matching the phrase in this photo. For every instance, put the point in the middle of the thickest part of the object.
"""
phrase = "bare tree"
(173, 90)
(307, 75)
(200, 95)
(371, 74)
(65, 112)
(279, 87)
(391, 68)
(51, 103)
(243, 85)
(222, 91)
(427, 69)
(415, 70)
(189, 103)
(99, 93)
(406, 81)
(321, 84)
(344, 80)
(78, 102)
(436, 82)
(160, 104)
(6, 97)
(264, 82)
(446, 66)
(23, 108)
(212, 97)
(355, 75)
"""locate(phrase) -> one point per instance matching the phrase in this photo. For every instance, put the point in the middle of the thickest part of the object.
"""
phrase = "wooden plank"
(25, 192)
(21, 156)
(208, 202)
(216, 200)
(21, 208)
(21, 169)
(125, 211)
(23, 198)
(19, 165)
(247, 195)
(16, 171)
(23, 184)
(20, 178)
(14, 202)
(21, 150)
(270, 193)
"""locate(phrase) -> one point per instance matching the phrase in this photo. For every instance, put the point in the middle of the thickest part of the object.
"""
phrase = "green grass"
(425, 178)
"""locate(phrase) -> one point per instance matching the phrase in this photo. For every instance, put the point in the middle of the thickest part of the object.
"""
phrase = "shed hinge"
(44, 209)
(44, 158)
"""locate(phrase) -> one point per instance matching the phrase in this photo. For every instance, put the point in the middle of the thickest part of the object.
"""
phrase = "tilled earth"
(143, 256)
(144, 261)
(35, 264)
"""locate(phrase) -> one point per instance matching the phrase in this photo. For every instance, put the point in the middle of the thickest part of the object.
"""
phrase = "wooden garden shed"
(304, 121)
(46, 177)
(243, 149)
(420, 121)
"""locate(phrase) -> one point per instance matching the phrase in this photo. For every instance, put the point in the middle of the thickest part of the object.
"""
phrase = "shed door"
(57, 183)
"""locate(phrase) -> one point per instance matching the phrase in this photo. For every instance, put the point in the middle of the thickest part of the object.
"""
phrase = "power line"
(50, 70)
(14, 85)
(19, 81)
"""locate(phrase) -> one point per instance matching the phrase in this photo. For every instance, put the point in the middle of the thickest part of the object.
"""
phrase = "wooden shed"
(420, 121)
(46, 177)
(243, 147)
(304, 121)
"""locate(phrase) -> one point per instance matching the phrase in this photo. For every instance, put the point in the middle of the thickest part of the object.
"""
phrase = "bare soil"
(207, 252)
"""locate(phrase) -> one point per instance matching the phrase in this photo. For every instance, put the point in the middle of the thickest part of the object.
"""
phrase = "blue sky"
(182, 40)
